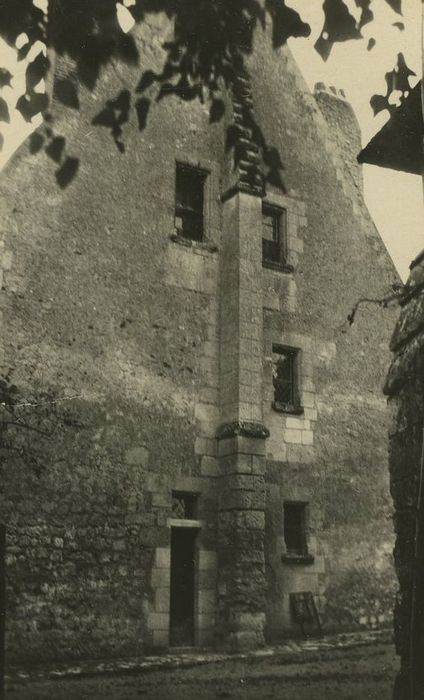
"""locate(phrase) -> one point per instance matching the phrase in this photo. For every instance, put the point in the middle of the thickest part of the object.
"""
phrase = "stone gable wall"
(118, 332)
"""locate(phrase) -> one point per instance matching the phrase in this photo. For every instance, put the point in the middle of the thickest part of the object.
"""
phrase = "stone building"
(399, 145)
(213, 431)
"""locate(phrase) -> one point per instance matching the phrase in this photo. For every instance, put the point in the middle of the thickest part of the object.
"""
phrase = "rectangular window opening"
(273, 235)
(184, 505)
(285, 377)
(189, 201)
(295, 528)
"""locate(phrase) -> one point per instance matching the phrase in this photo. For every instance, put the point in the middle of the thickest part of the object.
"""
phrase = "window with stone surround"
(274, 237)
(285, 378)
(189, 201)
(295, 528)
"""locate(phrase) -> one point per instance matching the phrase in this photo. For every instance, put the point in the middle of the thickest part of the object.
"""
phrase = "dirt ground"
(360, 673)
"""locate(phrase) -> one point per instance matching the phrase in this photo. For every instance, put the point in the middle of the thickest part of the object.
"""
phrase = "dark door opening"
(182, 586)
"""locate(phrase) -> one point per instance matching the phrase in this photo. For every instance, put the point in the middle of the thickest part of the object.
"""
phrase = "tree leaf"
(366, 14)
(399, 25)
(398, 78)
(23, 52)
(339, 25)
(371, 44)
(36, 70)
(55, 148)
(67, 172)
(217, 111)
(286, 22)
(142, 107)
(231, 136)
(146, 80)
(5, 78)
(4, 111)
(36, 142)
(31, 104)
(127, 49)
(396, 5)
(379, 103)
(66, 92)
(103, 118)
(114, 115)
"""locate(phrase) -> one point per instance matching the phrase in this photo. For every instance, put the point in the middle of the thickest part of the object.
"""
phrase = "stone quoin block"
(162, 558)
(160, 638)
(293, 436)
(209, 466)
(160, 577)
(307, 437)
(207, 560)
(158, 621)
(162, 599)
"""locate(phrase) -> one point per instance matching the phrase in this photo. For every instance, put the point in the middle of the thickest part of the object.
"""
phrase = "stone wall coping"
(304, 559)
(242, 187)
(206, 245)
(185, 522)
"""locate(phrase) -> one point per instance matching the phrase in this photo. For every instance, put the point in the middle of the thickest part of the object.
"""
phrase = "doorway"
(182, 604)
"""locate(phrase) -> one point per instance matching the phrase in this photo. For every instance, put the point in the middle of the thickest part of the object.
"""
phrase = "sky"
(394, 199)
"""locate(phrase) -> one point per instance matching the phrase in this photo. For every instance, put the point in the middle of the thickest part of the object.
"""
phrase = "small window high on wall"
(274, 248)
(285, 378)
(295, 528)
(184, 505)
(189, 201)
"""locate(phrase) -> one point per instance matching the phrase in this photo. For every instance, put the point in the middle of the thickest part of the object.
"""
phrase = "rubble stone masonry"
(404, 387)
(144, 362)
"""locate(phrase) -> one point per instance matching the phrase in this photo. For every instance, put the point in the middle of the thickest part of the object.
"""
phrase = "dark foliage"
(397, 80)
(5, 78)
(212, 39)
(4, 111)
(44, 416)
(114, 115)
(66, 91)
(67, 171)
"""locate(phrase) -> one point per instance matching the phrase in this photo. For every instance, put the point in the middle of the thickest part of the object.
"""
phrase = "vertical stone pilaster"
(241, 530)
(241, 310)
(241, 436)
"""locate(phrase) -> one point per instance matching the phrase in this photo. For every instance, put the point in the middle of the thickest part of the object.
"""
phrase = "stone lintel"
(255, 190)
(185, 523)
(244, 428)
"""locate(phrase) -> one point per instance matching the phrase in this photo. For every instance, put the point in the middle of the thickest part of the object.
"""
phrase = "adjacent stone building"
(399, 145)
(213, 433)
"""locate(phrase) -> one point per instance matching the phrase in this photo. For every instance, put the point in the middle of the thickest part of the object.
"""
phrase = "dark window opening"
(189, 202)
(295, 535)
(285, 376)
(273, 235)
(183, 584)
(184, 505)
